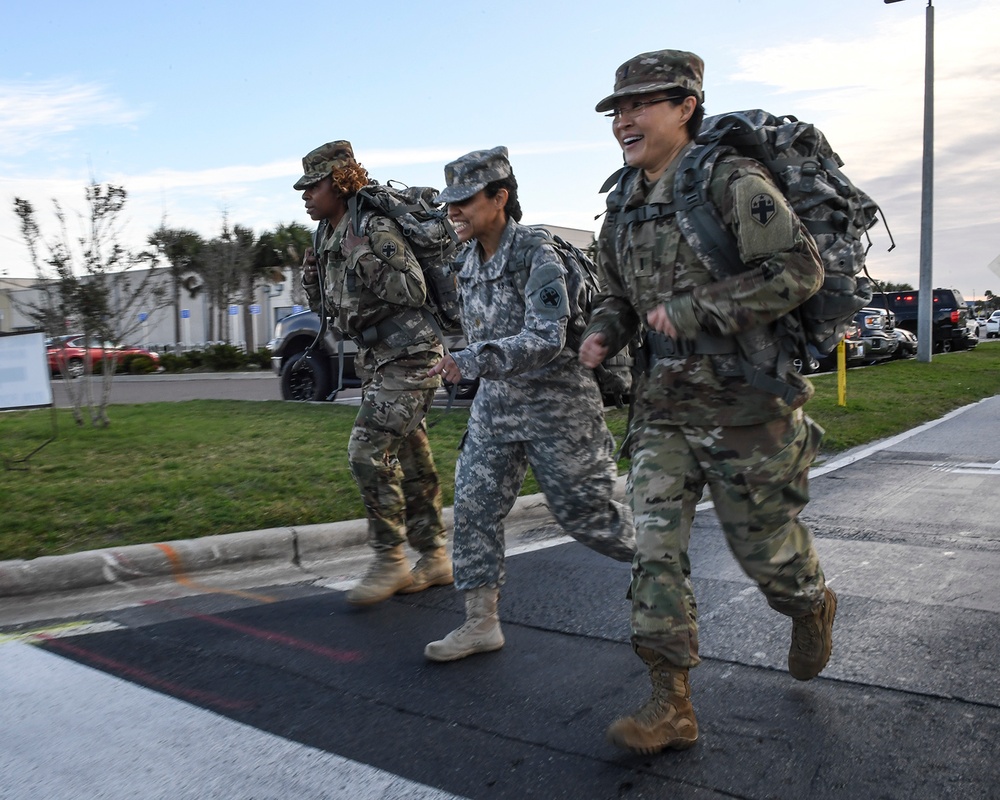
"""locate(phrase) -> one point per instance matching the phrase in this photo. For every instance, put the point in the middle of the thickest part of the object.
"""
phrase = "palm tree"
(184, 251)
(290, 242)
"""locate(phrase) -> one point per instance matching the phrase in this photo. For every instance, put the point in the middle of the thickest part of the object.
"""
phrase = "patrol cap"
(654, 72)
(320, 162)
(472, 172)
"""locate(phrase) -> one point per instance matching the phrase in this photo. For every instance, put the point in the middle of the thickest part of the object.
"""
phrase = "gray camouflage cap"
(472, 172)
(654, 72)
(319, 163)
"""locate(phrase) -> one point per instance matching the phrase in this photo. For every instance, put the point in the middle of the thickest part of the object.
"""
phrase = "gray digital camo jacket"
(515, 324)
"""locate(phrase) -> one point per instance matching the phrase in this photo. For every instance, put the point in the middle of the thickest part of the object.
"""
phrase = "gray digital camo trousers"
(393, 466)
(758, 476)
(575, 470)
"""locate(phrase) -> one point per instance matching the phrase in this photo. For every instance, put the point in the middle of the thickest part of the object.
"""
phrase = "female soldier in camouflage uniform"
(535, 405)
(374, 291)
(697, 419)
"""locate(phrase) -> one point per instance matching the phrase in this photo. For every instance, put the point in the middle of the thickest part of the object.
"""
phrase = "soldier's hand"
(593, 351)
(447, 368)
(659, 321)
(309, 266)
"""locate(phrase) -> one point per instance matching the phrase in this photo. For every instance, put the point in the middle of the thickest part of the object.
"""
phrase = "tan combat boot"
(667, 720)
(812, 640)
(479, 634)
(389, 572)
(432, 569)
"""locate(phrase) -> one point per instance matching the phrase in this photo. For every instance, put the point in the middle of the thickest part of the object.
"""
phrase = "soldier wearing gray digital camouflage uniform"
(698, 421)
(374, 290)
(535, 405)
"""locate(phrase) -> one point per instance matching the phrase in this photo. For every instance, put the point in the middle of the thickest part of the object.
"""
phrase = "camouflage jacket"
(375, 295)
(515, 324)
(649, 263)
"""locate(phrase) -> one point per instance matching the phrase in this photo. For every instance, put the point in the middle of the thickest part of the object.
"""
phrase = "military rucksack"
(614, 376)
(830, 206)
(430, 235)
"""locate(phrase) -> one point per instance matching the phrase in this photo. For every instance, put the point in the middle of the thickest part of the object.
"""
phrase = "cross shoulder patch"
(762, 208)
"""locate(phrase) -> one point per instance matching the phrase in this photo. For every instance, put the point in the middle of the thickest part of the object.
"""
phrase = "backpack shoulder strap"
(523, 249)
(697, 216)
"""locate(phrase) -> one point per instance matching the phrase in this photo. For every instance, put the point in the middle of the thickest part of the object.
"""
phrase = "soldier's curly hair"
(349, 180)
(512, 208)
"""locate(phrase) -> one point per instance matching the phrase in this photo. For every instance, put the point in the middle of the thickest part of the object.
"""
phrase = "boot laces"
(806, 632)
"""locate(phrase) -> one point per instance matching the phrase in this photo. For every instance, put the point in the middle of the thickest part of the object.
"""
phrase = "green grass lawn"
(166, 471)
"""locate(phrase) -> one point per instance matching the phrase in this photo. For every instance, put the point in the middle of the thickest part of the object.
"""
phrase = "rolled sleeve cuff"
(680, 309)
(467, 364)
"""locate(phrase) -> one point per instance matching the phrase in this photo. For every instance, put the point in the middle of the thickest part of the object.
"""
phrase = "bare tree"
(84, 281)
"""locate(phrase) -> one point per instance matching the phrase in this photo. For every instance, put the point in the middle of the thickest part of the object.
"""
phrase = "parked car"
(949, 315)
(972, 331)
(993, 326)
(907, 347)
(71, 354)
(331, 364)
(878, 332)
(854, 351)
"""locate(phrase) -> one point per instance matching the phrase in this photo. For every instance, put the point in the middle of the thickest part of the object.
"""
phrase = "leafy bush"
(137, 365)
(262, 359)
(171, 362)
(224, 357)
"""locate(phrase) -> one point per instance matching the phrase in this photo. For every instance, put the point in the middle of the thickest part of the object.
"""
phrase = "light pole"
(925, 303)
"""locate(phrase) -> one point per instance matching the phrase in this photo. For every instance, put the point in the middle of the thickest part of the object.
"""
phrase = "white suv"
(993, 325)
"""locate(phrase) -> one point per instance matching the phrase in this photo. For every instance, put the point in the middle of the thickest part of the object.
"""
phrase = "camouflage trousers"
(576, 471)
(392, 464)
(758, 476)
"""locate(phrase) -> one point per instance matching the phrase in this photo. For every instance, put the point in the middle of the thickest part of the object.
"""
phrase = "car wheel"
(946, 346)
(306, 378)
(74, 368)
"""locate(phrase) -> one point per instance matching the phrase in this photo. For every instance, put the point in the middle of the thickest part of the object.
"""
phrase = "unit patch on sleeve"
(762, 208)
(388, 250)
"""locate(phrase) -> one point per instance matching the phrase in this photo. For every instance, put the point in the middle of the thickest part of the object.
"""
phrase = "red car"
(71, 352)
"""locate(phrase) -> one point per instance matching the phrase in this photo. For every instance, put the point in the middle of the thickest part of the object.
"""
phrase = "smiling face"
(479, 217)
(323, 201)
(652, 132)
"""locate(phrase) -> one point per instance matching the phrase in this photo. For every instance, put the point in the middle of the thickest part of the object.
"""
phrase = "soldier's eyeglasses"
(636, 107)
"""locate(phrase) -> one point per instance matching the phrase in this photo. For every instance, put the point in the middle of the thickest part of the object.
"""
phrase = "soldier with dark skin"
(374, 292)
(697, 420)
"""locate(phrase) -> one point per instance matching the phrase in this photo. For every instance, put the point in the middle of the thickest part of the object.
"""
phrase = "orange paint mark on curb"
(180, 576)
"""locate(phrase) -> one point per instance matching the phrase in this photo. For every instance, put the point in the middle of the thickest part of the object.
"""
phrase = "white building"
(201, 325)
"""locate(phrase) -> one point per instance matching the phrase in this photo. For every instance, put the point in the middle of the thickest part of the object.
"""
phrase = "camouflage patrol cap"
(654, 72)
(319, 163)
(472, 172)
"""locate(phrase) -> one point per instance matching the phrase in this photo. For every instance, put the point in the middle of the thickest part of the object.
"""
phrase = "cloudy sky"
(203, 109)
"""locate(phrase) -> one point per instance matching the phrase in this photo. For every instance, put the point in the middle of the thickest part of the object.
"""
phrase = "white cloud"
(33, 113)
(868, 97)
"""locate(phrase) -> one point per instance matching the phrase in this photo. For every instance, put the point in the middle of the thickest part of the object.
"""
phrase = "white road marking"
(72, 731)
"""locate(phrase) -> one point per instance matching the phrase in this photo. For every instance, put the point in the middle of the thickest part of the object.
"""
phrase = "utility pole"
(925, 304)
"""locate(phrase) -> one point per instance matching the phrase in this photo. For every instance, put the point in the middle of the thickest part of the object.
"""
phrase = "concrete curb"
(293, 546)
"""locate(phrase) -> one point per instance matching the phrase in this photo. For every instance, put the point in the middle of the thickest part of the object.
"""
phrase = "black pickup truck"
(331, 364)
(949, 316)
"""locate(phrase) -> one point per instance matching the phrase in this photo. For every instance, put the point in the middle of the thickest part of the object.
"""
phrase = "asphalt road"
(128, 389)
(256, 690)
